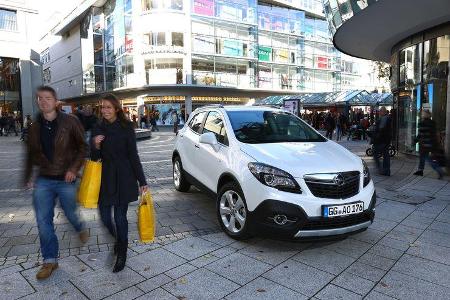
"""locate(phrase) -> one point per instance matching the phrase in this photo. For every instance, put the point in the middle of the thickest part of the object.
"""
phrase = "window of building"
(148, 5)
(177, 39)
(45, 56)
(8, 19)
(46, 76)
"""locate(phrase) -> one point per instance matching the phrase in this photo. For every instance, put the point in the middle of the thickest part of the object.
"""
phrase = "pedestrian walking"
(382, 140)
(175, 121)
(114, 142)
(3, 124)
(364, 126)
(330, 124)
(56, 147)
(428, 144)
(339, 127)
(11, 124)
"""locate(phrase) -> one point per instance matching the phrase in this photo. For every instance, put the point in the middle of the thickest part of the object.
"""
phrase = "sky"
(51, 11)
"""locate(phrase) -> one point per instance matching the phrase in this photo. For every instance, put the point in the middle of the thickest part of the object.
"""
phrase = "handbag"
(89, 189)
(146, 218)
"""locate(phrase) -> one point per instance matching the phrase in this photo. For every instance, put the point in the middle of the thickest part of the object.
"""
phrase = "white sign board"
(292, 106)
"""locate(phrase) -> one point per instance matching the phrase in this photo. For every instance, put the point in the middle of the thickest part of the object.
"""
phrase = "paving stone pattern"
(405, 254)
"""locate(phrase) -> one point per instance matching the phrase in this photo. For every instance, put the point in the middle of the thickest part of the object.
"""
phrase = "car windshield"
(257, 127)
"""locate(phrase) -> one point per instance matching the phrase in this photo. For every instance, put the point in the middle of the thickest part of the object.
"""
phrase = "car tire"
(179, 178)
(369, 151)
(233, 218)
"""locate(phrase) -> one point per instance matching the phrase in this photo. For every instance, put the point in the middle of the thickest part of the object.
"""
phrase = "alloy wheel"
(232, 211)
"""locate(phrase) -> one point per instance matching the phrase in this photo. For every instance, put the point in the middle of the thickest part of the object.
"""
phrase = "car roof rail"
(268, 105)
(213, 105)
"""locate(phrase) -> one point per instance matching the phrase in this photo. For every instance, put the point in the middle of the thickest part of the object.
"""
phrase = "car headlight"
(274, 177)
(366, 173)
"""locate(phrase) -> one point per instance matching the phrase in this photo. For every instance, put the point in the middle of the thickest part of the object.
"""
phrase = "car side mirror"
(210, 139)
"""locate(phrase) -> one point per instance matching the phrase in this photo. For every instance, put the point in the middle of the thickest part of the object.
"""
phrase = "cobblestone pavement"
(405, 254)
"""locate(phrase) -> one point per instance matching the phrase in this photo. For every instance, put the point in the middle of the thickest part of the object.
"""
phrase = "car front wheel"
(232, 211)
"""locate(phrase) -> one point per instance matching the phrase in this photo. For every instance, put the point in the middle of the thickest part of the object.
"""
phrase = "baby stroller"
(355, 133)
(371, 150)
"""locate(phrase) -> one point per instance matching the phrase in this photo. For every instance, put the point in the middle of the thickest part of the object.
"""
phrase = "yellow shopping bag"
(146, 218)
(90, 184)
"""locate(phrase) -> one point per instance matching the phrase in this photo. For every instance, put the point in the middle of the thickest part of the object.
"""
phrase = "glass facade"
(9, 85)
(420, 81)
(233, 43)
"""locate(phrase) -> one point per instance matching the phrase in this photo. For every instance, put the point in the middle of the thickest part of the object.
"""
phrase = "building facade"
(166, 50)
(417, 46)
(20, 71)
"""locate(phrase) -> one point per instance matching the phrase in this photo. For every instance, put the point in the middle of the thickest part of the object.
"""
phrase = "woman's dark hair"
(116, 104)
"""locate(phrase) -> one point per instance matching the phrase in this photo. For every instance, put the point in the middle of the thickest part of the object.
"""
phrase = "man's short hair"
(46, 88)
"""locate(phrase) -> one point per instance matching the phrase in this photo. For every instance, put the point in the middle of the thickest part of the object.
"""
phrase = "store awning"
(332, 99)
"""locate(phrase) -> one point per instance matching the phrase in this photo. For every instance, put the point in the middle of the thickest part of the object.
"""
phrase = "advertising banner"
(264, 53)
(204, 7)
(292, 106)
(281, 56)
(322, 62)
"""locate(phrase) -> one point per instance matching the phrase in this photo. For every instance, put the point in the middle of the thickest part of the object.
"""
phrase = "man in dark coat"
(428, 144)
(381, 142)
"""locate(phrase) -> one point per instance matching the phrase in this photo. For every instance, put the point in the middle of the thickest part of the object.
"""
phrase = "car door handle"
(197, 146)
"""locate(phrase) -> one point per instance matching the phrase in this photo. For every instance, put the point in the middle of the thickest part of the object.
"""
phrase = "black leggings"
(120, 227)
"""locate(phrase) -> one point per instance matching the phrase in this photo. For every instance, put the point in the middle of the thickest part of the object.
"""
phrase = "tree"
(383, 70)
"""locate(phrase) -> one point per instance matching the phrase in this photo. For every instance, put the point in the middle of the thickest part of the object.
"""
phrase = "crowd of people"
(14, 123)
(354, 125)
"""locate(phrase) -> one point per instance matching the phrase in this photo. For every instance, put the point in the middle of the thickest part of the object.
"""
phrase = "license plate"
(343, 210)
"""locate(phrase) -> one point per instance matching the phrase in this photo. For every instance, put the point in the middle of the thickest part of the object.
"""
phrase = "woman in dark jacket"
(114, 142)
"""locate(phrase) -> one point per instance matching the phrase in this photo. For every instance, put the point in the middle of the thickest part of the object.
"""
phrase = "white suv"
(272, 173)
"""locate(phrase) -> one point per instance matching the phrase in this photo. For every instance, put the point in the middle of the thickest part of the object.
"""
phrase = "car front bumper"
(297, 224)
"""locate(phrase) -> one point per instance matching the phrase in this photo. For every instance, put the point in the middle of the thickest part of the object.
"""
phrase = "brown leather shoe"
(84, 236)
(46, 270)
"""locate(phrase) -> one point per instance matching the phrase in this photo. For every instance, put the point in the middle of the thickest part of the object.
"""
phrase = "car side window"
(196, 122)
(214, 123)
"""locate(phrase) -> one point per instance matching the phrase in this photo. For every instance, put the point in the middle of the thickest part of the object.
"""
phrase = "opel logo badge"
(338, 179)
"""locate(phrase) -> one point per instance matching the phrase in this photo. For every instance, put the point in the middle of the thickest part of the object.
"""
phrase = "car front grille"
(328, 189)
(336, 222)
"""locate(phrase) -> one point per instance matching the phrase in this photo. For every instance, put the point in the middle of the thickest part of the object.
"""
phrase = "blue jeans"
(338, 133)
(44, 201)
(382, 149)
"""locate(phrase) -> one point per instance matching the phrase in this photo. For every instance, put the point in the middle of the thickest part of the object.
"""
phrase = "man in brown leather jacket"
(56, 147)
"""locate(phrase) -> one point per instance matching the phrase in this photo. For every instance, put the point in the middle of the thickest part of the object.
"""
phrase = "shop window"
(436, 58)
(162, 4)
